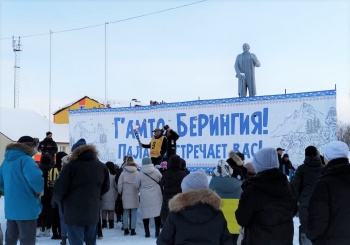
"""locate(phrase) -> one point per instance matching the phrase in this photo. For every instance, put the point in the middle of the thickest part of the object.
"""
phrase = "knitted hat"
(335, 149)
(195, 180)
(285, 155)
(25, 139)
(265, 159)
(311, 151)
(78, 143)
(223, 169)
(146, 161)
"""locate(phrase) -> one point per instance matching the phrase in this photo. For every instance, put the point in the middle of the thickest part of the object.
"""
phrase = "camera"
(166, 127)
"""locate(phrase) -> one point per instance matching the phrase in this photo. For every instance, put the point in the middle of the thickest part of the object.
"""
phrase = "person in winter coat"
(158, 146)
(236, 160)
(172, 137)
(80, 186)
(46, 164)
(286, 165)
(195, 216)
(52, 176)
(303, 184)
(229, 189)
(329, 207)
(23, 184)
(48, 145)
(130, 196)
(147, 181)
(171, 183)
(64, 232)
(109, 198)
(183, 166)
(267, 205)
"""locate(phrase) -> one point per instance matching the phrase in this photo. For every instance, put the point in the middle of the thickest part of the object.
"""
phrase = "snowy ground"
(116, 235)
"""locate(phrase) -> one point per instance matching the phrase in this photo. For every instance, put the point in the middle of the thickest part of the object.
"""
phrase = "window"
(63, 148)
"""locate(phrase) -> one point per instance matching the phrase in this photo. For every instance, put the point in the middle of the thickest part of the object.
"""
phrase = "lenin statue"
(245, 71)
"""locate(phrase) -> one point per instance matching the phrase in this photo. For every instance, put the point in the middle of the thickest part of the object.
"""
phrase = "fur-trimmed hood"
(20, 146)
(87, 152)
(193, 197)
(236, 158)
(197, 206)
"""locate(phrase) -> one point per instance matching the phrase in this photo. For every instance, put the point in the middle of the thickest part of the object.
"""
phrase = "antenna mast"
(16, 45)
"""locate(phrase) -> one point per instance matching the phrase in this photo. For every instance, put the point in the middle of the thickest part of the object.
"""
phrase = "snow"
(116, 235)
(15, 123)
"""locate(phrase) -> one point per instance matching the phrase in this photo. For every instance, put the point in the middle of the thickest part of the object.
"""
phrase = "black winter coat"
(46, 164)
(170, 185)
(305, 179)
(266, 209)
(329, 208)
(80, 185)
(195, 218)
(48, 145)
(286, 165)
(172, 137)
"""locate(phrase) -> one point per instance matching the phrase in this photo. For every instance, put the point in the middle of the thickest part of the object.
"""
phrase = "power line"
(109, 22)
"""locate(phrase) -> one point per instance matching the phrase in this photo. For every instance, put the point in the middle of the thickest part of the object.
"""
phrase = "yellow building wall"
(62, 117)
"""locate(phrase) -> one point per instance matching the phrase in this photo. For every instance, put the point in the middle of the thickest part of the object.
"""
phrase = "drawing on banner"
(304, 127)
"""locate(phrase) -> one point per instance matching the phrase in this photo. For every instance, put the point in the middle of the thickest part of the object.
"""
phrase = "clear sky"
(177, 55)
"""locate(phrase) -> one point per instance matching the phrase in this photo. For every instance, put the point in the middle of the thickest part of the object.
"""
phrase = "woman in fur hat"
(195, 216)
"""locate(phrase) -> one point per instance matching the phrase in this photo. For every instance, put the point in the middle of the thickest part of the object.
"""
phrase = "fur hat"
(265, 159)
(311, 151)
(195, 180)
(223, 169)
(78, 143)
(146, 161)
(335, 149)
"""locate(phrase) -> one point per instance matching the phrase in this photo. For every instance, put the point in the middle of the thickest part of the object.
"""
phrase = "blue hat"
(78, 143)
(146, 161)
(265, 159)
(195, 180)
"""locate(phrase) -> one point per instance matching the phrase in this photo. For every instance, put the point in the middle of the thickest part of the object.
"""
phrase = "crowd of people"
(74, 197)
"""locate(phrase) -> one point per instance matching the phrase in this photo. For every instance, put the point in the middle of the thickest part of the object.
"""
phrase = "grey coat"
(130, 194)
(150, 193)
(109, 198)
(248, 68)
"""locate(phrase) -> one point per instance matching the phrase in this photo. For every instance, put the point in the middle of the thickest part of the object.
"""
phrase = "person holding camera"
(158, 146)
(172, 137)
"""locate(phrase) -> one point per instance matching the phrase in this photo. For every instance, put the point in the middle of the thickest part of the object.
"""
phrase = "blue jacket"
(21, 180)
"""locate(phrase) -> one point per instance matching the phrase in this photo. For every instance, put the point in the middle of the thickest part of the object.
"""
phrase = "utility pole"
(16, 45)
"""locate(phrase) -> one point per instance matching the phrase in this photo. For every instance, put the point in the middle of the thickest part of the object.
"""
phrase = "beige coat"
(150, 193)
(130, 194)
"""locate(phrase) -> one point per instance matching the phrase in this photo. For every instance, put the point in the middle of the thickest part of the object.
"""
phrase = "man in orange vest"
(158, 146)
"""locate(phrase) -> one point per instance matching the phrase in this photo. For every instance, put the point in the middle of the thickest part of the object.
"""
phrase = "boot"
(157, 231)
(104, 224)
(111, 224)
(147, 233)
(64, 240)
(133, 233)
(126, 232)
